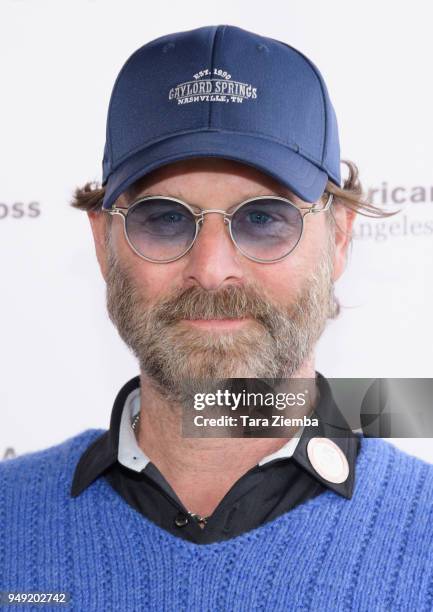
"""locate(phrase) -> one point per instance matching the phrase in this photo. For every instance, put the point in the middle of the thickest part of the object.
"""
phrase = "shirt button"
(181, 520)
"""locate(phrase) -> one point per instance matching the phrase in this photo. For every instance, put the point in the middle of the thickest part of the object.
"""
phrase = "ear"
(98, 223)
(343, 222)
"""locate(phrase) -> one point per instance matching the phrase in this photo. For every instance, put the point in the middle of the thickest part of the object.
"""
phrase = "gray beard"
(181, 361)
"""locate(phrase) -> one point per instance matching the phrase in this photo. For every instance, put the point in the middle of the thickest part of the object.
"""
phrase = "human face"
(215, 313)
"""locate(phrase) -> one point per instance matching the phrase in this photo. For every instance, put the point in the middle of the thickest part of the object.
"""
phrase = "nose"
(213, 260)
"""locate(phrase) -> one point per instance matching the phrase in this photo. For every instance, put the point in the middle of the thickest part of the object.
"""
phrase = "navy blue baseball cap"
(221, 91)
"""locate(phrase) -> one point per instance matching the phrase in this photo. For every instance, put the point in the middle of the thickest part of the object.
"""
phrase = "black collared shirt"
(260, 495)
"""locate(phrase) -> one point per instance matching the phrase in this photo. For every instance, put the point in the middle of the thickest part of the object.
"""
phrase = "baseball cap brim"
(286, 166)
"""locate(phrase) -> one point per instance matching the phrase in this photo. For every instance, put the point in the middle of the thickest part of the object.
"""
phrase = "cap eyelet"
(167, 47)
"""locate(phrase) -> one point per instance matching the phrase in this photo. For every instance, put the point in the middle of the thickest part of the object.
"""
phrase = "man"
(220, 229)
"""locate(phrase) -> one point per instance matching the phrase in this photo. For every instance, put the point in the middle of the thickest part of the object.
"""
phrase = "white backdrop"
(61, 360)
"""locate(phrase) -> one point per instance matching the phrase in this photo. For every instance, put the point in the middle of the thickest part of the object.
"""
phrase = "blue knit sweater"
(372, 552)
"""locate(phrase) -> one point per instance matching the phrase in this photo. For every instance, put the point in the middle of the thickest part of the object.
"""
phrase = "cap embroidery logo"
(212, 86)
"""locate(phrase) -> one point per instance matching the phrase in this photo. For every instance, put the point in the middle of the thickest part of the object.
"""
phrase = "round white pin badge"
(328, 460)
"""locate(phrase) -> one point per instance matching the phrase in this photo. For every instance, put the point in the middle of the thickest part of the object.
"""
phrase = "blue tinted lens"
(267, 228)
(160, 229)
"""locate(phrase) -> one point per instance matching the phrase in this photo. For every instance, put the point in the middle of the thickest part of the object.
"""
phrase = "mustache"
(233, 302)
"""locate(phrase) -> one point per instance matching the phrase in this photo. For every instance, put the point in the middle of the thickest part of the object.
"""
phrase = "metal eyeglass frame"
(199, 218)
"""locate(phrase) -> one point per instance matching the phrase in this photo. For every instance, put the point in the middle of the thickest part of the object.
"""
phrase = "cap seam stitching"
(116, 83)
(212, 60)
(318, 79)
(222, 29)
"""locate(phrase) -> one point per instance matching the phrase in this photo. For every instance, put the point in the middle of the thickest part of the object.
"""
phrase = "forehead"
(202, 177)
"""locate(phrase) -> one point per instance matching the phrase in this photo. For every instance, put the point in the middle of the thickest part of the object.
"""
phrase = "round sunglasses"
(265, 228)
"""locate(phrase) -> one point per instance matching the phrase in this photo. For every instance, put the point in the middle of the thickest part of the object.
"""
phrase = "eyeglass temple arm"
(316, 208)
(116, 210)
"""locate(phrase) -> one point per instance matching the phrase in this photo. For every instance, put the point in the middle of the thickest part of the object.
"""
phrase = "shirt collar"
(132, 456)
(119, 442)
(129, 453)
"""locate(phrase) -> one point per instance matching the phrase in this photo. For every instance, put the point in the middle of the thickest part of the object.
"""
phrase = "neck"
(200, 470)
